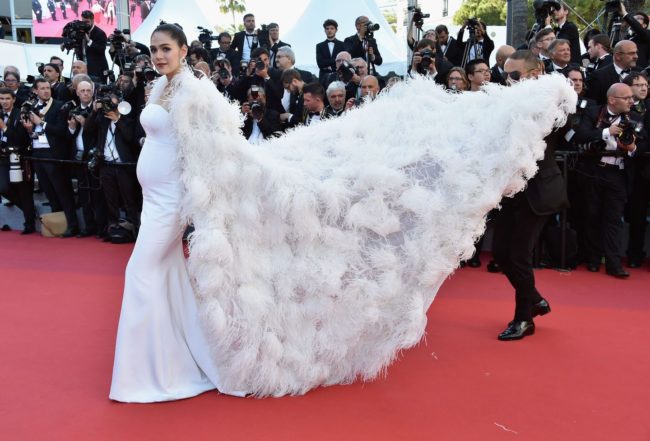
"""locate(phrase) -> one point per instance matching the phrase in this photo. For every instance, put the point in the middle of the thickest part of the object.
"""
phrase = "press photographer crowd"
(74, 130)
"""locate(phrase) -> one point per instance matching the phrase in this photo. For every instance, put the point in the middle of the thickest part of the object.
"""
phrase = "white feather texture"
(316, 255)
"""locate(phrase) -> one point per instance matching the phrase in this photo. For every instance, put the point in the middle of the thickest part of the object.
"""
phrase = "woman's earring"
(184, 62)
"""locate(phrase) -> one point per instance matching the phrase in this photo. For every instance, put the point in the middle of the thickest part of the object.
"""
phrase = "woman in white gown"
(315, 256)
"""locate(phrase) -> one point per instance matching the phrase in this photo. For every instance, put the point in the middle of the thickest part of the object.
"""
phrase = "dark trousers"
(637, 211)
(605, 196)
(516, 232)
(39, 15)
(54, 180)
(121, 188)
(20, 193)
(91, 199)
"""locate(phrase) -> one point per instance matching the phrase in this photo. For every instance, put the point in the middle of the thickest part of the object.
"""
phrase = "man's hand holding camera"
(616, 131)
(75, 121)
(429, 67)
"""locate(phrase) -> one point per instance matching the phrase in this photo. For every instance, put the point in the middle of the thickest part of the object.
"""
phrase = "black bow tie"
(312, 114)
(626, 71)
(5, 115)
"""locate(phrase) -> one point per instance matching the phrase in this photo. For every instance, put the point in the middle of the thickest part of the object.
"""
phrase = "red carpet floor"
(583, 376)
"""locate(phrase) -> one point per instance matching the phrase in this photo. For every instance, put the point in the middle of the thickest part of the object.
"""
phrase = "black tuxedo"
(642, 40)
(53, 178)
(268, 126)
(60, 92)
(297, 110)
(354, 46)
(569, 31)
(442, 67)
(453, 52)
(230, 55)
(487, 46)
(96, 53)
(273, 52)
(519, 225)
(327, 61)
(496, 77)
(239, 40)
(600, 81)
(38, 10)
(604, 62)
(639, 197)
(21, 193)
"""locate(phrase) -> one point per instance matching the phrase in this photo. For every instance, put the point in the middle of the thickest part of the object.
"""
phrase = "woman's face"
(166, 54)
(11, 82)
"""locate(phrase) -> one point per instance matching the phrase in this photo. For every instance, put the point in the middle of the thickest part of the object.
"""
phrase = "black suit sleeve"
(99, 41)
(270, 123)
(322, 58)
(638, 29)
(587, 132)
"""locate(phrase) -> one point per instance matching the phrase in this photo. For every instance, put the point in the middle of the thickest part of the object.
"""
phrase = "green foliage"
(233, 7)
(391, 18)
(492, 12)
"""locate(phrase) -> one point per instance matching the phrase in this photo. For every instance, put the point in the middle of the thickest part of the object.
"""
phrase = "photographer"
(81, 142)
(369, 90)
(123, 51)
(607, 128)
(362, 44)
(246, 41)
(12, 81)
(275, 43)
(326, 51)
(599, 49)
(198, 54)
(226, 82)
(52, 74)
(226, 51)
(314, 102)
(480, 46)
(450, 49)
(425, 62)
(45, 122)
(14, 135)
(346, 73)
(261, 122)
(638, 23)
(639, 197)
(114, 138)
(336, 98)
(497, 72)
(566, 30)
(625, 58)
(95, 48)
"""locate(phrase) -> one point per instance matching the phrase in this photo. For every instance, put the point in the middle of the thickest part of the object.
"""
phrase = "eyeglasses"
(626, 98)
(481, 71)
(515, 75)
(455, 79)
(642, 85)
(10, 81)
(629, 53)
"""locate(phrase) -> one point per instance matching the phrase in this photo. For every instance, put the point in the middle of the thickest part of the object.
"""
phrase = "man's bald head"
(503, 53)
(620, 98)
(369, 86)
(625, 54)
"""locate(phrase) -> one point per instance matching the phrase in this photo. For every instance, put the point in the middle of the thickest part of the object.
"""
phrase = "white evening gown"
(316, 255)
(161, 353)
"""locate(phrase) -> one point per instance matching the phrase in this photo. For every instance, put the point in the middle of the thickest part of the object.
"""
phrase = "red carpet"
(583, 376)
(51, 28)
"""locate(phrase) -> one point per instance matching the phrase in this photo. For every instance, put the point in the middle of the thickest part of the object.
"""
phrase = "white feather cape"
(316, 255)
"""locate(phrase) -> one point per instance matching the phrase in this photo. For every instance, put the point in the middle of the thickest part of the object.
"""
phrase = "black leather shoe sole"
(517, 331)
(619, 273)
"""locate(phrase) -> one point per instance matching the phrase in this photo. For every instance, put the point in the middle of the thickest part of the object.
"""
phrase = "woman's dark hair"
(174, 31)
(13, 74)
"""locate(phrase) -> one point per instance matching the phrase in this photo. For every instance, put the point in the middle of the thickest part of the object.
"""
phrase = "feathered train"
(316, 255)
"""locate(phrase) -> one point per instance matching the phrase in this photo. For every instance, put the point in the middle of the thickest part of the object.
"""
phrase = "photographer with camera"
(625, 58)
(81, 142)
(640, 35)
(123, 50)
(95, 42)
(261, 122)
(363, 44)
(46, 124)
(639, 197)
(566, 30)
(275, 43)
(16, 182)
(326, 51)
(115, 142)
(12, 81)
(258, 72)
(52, 74)
(226, 51)
(450, 49)
(244, 42)
(608, 128)
(479, 43)
(425, 62)
(346, 73)
(226, 82)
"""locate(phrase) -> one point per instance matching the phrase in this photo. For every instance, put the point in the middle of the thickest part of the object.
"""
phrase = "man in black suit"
(497, 72)
(567, 30)
(225, 50)
(625, 57)
(326, 51)
(38, 10)
(274, 42)
(258, 72)
(483, 44)
(438, 69)
(145, 9)
(599, 49)
(560, 55)
(81, 141)
(13, 134)
(95, 48)
(600, 130)
(115, 139)
(60, 91)
(52, 7)
(520, 223)
(246, 41)
(293, 83)
(449, 47)
(362, 45)
(286, 59)
(47, 127)
(638, 23)
(261, 122)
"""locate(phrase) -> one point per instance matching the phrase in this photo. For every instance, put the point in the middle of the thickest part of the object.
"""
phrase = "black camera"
(223, 73)
(612, 6)
(418, 16)
(370, 29)
(257, 109)
(28, 107)
(545, 8)
(73, 35)
(117, 39)
(94, 159)
(631, 130)
(428, 57)
(259, 64)
(105, 97)
(262, 37)
(346, 71)
(206, 38)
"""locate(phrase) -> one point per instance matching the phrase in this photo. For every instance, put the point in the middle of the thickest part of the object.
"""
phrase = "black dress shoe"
(517, 330)
(634, 263)
(28, 230)
(493, 267)
(593, 267)
(474, 262)
(541, 308)
(5, 227)
(619, 273)
(71, 232)
(86, 233)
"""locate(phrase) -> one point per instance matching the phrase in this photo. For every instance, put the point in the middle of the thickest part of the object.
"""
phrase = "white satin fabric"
(161, 352)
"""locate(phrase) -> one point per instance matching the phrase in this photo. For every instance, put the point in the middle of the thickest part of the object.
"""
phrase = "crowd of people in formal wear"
(83, 144)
